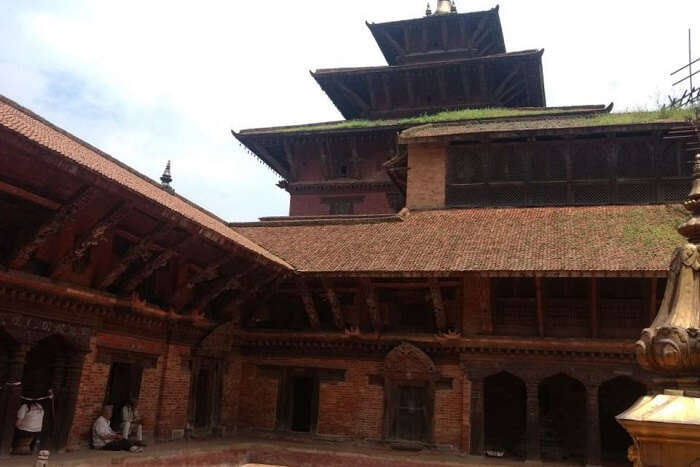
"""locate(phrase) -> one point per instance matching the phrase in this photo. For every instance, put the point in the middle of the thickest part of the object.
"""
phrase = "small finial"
(454, 6)
(428, 11)
(166, 179)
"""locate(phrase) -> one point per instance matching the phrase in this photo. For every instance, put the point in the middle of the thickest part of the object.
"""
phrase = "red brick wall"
(230, 389)
(352, 408)
(175, 391)
(167, 408)
(426, 176)
(311, 205)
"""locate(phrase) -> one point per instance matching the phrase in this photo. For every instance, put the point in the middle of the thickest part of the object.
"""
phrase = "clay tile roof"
(549, 240)
(21, 121)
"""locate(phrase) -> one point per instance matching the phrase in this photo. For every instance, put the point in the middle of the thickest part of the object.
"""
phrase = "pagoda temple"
(463, 271)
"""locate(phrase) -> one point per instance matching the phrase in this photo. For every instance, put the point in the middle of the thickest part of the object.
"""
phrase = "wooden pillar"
(438, 306)
(336, 309)
(592, 425)
(540, 306)
(372, 305)
(309, 306)
(477, 416)
(486, 307)
(653, 299)
(595, 308)
(532, 405)
(74, 371)
(59, 389)
(11, 397)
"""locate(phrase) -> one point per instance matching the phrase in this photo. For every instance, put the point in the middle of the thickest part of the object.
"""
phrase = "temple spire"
(428, 11)
(166, 179)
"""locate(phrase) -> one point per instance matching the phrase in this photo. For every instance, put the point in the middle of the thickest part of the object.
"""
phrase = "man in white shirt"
(131, 421)
(30, 421)
(104, 438)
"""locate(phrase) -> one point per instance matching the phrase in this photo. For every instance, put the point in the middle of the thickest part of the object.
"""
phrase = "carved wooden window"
(342, 206)
(409, 310)
(624, 306)
(506, 163)
(514, 306)
(567, 307)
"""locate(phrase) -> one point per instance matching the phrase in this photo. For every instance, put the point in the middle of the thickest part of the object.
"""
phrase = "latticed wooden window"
(634, 159)
(548, 162)
(506, 163)
(590, 160)
(465, 165)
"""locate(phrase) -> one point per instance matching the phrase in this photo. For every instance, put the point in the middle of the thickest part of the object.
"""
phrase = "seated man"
(131, 421)
(104, 438)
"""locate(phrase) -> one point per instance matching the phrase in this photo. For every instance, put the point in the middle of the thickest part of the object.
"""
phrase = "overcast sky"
(148, 81)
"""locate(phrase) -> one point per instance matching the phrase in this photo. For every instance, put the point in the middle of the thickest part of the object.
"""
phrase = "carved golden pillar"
(665, 426)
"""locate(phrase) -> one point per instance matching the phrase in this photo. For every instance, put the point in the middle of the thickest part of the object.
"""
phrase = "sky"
(149, 81)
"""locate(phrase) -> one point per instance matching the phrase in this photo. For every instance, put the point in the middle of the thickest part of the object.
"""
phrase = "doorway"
(302, 403)
(411, 423)
(616, 396)
(505, 422)
(562, 419)
(124, 384)
(203, 396)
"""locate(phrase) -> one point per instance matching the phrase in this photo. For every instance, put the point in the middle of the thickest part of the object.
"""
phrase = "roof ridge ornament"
(166, 179)
(671, 345)
(428, 11)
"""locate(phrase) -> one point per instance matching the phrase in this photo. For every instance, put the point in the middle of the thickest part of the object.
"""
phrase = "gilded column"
(533, 421)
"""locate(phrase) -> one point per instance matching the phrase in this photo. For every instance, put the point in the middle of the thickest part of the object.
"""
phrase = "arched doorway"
(45, 369)
(505, 422)
(409, 392)
(7, 346)
(562, 419)
(616, 396)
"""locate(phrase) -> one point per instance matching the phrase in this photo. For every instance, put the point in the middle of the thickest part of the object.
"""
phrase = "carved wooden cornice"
(93, 238)
(309, 305)
(140, 250)
(63, 217)
(148, 269)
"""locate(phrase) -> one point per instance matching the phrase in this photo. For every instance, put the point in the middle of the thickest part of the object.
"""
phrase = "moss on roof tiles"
(446, 116)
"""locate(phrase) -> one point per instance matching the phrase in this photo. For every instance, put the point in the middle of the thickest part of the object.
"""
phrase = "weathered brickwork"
(353, 408)
(426, 176)
(230, 389)
(175, 388)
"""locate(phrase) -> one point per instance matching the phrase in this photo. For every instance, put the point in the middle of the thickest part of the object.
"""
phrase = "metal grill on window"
(636, 192)
(674, 190)
(591, 193)
(507, 195)
(548, 194)
(468, 196)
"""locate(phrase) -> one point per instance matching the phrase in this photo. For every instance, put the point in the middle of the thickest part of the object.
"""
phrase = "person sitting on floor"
(30, 421)
(131, 421)
(104, 438)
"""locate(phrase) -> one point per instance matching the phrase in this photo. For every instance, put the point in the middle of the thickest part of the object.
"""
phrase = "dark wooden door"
(412, 414)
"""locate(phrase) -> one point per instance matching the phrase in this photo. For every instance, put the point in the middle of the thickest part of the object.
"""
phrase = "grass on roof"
(640, 116)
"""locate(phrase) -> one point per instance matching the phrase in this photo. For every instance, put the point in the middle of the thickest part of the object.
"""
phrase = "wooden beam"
(148, 269)
(66, 215)
(309, 306)
(140, 250)
(272, 283)
(486, 302)
(29, 196)
(397, 47)
(359, 101)
(336, 309)
(224, 285)
(96, 235)
(207, 273)
(289, 157)
(653, 299)
(484, 84)
(500, 92)
(595, 308)
(442, 84)
(274, 163)
(387, 91)
(466, 85)
(409, 88)
(540, 306)
(372, 305)
(480, 33)
(372, 92)
(438, 306)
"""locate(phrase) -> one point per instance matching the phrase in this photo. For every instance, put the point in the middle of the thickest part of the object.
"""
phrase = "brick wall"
(352, 408)
(164, 389)
(312, 205)
(426, 176)
(230, 388)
